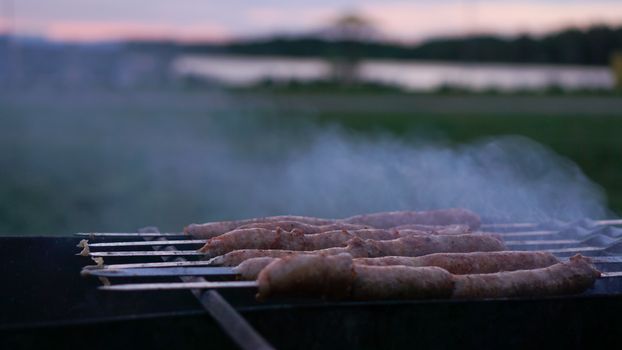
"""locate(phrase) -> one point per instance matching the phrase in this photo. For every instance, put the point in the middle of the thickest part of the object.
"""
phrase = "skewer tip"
(84, 244)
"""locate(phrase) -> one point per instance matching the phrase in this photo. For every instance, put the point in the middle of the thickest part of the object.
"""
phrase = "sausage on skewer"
(376, 220)
(303, 227)
(338, 277)
(259, 238)
(359, 248)
(572, 277)
(213, 229)
(455, 263)
(432, 217)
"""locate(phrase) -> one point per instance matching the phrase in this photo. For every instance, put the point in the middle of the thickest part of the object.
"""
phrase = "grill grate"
(602, 243)
(599, 240)
(236, 327)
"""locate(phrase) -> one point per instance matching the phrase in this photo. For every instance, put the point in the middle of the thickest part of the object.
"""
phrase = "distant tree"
(350, 32)
(350, 27)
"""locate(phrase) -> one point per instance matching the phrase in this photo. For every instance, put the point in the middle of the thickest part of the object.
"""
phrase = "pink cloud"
(103, 31)
(404, 20)
(412, 21)
(292, 18)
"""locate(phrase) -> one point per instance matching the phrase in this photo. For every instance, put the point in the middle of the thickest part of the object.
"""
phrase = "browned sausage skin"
(259, 238)
(431, 217)
(212, 229)
(304, 227)
(358, 248)
(470, 263)
(572, 277)
(383, 220)
(308, 275)
(455, 263)
(338, 277)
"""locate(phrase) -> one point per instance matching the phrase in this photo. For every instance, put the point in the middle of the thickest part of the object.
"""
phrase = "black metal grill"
(46, 300)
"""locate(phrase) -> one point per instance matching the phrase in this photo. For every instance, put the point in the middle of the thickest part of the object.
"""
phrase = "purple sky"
(220, 20)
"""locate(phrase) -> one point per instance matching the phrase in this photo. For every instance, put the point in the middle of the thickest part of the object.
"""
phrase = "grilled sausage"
(336, 277)
(249, 269)
(401, 282)
(308, 275)
(303, 227)
(432, 217)
(574, 276)
(213, 229)
(470, 263)
(258, 238)
(339, 277)
(455, 263)
(384, 220)
(405, 246)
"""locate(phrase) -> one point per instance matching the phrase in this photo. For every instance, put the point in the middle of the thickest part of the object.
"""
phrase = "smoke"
(330, 172)
(116, 162)
(506, 178)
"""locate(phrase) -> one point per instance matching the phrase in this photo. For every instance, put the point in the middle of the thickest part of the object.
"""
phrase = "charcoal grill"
(46, 301)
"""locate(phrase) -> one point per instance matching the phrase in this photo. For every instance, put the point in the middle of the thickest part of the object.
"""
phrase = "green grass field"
(119, 160)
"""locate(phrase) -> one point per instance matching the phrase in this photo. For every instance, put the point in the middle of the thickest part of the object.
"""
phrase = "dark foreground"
(45, 301)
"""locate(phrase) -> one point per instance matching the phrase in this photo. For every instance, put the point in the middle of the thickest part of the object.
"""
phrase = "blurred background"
(116, 115)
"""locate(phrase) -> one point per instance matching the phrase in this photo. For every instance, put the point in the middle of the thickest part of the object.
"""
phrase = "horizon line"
(137, 38)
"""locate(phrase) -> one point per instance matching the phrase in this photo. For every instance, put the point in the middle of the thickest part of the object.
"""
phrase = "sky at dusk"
(199, 20)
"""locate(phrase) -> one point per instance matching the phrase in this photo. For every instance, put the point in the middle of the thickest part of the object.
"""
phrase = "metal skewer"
(141, 253)
(197, 253)
(240, 331)
(203, 241)
(180, 285)
(224, 271)
(149, 243)
(511, 225)
(131, 234)
(522, 233)
(612, 222)
(162, 272)
(573, 249)
(226, 284)
(207, 263)
(147, 253)
(543, 242)
(204, 268)
(147, 265)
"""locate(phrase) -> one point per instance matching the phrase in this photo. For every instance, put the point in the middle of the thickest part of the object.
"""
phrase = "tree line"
(591, 46)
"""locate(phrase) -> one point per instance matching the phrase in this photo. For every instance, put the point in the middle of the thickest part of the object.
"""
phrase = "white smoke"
(336, 174)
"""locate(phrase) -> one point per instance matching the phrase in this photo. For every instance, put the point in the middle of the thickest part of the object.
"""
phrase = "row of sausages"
(386, 255)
